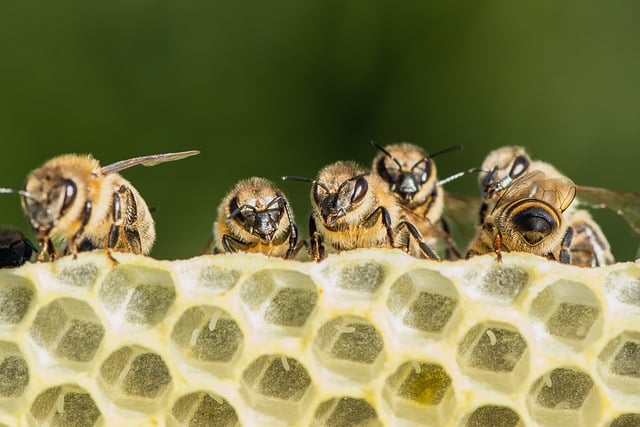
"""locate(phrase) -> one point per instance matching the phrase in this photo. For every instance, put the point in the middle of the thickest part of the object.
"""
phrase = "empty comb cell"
(355, 276)
(202, 409)
(499, 283)
(279, 298)
(137, 295)
(16, 294)
(346, 411)
(424, 301)
(68, 330)
(619, 362)
(14, 373)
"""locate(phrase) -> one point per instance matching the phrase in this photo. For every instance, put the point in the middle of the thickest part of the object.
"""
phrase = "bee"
(15, 248)
(589, 246)
(412, 177)
(352, 208)
(255, 217)
(82, 206)
(528, 217)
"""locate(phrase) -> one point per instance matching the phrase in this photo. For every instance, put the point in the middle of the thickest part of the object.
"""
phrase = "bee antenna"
(20, 192)
(305, 179)
(446, 150)
(381, 148)
(461, 174)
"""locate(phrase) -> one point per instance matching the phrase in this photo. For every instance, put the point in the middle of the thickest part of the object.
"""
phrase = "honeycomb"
(369, 337)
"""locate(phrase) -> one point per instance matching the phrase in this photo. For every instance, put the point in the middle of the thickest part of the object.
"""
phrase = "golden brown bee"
(354, 209)
(82, 206)
(589, 246)
(412, 177)
(255, 217)
(528, 217)
(15, 248)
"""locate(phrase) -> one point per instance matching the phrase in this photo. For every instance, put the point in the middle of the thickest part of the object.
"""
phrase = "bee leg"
(424, 248)
(565, 256)
(294, 246)
(232, 244)
(46, 248)
(316, 248)
(129, 220)
(451, 250)
(497, 246)
(75, 240)
(386, 221)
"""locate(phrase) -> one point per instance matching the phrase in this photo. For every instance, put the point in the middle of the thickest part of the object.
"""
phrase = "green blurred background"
(285, 87)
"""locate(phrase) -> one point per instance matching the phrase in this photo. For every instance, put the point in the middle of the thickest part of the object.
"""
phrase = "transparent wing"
(151, 160)
(462, 213)
(624, 203)
(558, 192)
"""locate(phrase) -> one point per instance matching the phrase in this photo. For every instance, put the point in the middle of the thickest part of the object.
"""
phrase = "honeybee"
(354, 209)
(74, 201)
(15, 248)
(412, 177)
(528, 217)
(255, 217)
(589, 246)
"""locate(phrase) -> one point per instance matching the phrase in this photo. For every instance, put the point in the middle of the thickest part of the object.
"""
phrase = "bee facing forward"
(255, 217)
(353, 209)
(15, 248)
(82, 206)
(411, 175)
(528, 217)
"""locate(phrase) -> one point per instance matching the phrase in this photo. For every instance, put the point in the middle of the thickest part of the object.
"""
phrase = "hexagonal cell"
(420, 391)
(623, 288)
(564, 397)
(217, 279)
(626, 420)
(495, 353)
(619, 362)
(356, 276)
(78, 273)
(68, 330)
(14, 373)
(135, 377)
(207, 336)
(277, 385)
(282, 298)
(203, 409)
(16, 294)
(493, 416)
(423, 300)
(569, 312)
(138, 295)
(346, 411)
(499, 284)
(65, 406)
(350, 346)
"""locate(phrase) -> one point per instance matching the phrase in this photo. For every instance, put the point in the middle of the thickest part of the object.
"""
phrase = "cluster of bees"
(73, 205)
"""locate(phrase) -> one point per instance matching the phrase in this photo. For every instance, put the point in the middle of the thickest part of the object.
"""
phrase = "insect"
(15, 248)
(354, 209)
(412, 177)
(589, 247)
(528, 217)
(255, 217)
(74, 201)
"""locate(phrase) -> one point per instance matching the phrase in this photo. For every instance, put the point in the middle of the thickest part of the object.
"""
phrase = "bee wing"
(559, 191)
(151, 160)
(462, 213)
(624, 203)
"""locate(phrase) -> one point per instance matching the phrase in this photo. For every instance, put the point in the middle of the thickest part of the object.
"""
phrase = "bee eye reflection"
(359, 190)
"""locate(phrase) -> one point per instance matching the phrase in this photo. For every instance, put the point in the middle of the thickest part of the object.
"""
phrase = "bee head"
(46, 198)
(334, 205)
(257, 218)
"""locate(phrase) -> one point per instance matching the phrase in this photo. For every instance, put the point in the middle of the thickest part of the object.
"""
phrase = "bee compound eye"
(520, 165)
(70, 191)
(359, 190)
